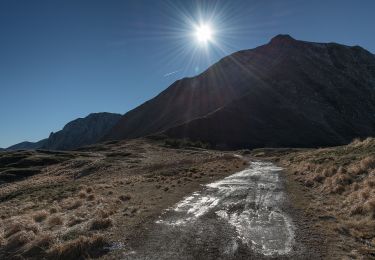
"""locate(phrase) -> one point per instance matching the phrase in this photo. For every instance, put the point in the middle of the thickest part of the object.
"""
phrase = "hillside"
(335, 186)
(27, 145)
(284, 93)
(79, 204)
(77, 133)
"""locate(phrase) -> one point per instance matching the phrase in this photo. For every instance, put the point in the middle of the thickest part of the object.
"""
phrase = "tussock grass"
(101, 223)
(55, 220)
(344, 176)
(40, 215)
(91, 197)
(39, 245)
(18, 240)
(82, 247)
(16, 225)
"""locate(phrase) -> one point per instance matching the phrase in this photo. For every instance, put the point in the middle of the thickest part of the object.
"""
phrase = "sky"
(60, 60)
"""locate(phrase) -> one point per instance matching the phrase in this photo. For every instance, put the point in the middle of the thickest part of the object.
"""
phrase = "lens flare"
(203, 33)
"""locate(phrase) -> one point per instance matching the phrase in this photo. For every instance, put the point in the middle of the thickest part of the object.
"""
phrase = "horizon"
(62, 63)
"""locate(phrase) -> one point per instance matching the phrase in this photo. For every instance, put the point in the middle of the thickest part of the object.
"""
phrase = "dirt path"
(243, 216)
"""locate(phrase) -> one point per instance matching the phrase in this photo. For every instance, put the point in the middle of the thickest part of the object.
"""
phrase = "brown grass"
(82, 194)
(40, 215)
(74, 204)
(39, 246)
(74, 221)
(124, 197)
(19, 224)
(80, 248)
(53, 210)
(91, 197)
(18, 240)
(101, 223)
(55, 220)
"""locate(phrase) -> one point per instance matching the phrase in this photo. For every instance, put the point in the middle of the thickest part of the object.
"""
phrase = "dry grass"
(124, 197)
(48, 212)
(74, 204)
(55, 220)
(101, 223)
(16, 225)
(40, 215)
(91, 197)
(82, 194)
(39, 245)
(342, 181)
(18, 240)
(82, 247)
(74, 221)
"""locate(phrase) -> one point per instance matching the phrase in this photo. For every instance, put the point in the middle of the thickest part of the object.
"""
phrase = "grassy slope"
(81, 201)
(338, 187)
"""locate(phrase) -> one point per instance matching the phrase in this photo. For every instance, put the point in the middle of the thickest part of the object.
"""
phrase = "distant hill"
(79, 132)
(27, 145)
(284, 93)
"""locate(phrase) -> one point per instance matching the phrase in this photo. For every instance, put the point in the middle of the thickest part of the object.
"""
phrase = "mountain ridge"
(76, 133)
(319, 83)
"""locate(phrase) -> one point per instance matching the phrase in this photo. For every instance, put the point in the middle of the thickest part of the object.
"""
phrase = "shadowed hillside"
(284, 93)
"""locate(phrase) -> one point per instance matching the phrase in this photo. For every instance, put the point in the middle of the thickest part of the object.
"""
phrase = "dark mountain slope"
(284, 93)
(79, 132)
(82, 131)
(27, 145)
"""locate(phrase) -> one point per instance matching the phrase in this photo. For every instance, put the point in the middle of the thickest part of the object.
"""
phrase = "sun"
(204, 33)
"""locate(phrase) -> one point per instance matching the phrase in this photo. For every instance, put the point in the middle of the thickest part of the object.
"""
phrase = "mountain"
(79, 132)
(284, 93)
(82, 131)
(27, 145)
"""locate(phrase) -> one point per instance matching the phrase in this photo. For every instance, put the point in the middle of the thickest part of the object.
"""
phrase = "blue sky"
(60, 60)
